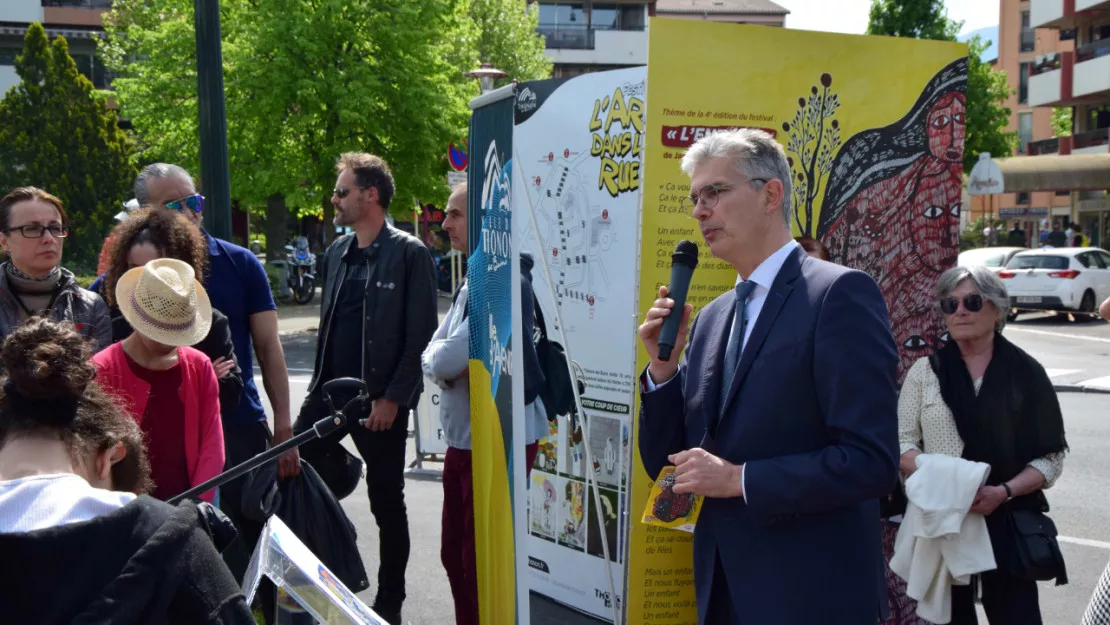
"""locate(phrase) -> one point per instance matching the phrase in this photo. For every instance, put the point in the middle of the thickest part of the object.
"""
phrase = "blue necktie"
(736, 337)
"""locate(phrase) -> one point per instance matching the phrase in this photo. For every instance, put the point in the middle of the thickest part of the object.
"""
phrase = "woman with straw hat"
(168, 387)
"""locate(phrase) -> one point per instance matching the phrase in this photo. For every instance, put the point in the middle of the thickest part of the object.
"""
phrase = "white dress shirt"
(763, 277)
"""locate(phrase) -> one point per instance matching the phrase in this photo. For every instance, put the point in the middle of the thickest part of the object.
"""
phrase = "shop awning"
(1050, 172)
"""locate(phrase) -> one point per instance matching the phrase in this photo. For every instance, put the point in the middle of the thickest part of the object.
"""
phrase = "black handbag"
(1036, 553)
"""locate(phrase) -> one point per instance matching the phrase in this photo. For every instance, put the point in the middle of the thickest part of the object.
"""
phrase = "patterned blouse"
(926, 424)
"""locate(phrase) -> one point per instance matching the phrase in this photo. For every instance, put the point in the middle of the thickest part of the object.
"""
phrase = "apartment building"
(594, 36)
(79, 21)
(1023, 51)
(1077, 76)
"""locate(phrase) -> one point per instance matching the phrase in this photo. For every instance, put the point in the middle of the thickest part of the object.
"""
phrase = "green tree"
(987, 113)
(915, 19)
(508, 39)
(306, 80)
(58, 136)
(1061, 121)
(987, 89)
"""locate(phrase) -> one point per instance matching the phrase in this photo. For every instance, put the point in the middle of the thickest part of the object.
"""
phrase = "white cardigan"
(939, 543)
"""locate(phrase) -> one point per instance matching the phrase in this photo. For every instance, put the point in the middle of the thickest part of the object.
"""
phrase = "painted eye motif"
(915, 342)
(940, 121)
(933, 212)
(944, 338)
(955, 210)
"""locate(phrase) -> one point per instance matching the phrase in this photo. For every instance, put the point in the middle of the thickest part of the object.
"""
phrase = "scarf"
(1014, 419)
(53, 276)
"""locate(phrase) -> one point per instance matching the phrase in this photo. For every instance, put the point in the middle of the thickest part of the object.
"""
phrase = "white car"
(993, 258)
(1073, 279)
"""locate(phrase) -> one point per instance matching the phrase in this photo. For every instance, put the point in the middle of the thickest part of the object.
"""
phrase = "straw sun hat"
(163, 301)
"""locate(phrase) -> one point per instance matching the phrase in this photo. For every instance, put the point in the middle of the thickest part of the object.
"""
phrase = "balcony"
(567, 37)
(1046, 146)
(1092, 69)
(1062, 14)
(584, 45)
(1050, 79)
(1093, 142)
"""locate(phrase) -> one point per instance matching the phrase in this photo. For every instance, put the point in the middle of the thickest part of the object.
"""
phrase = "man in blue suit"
(783, 413)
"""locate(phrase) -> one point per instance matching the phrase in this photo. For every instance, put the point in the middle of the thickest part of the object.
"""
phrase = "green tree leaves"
(58, 136)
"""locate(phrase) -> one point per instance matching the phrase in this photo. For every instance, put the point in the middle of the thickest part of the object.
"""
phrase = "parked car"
(993, 258)
(1066, 279)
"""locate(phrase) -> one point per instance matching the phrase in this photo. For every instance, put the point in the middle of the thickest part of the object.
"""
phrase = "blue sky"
(850, 16)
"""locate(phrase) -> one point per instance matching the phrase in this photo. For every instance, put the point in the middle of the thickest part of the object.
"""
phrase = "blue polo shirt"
(238, 287)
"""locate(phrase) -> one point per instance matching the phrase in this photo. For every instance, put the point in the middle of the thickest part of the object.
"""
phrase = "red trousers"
(457, 544)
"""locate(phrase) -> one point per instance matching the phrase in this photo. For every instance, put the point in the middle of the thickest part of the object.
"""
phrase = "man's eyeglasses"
(342, 192)
(708, 196)
(194, 203)
(35, 231)
(973, 302)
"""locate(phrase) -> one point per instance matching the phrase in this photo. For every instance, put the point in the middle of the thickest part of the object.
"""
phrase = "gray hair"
(988, 284)
(756, 154)
(158, 171)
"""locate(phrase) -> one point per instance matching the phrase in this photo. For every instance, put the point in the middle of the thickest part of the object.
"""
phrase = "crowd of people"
(116, 398)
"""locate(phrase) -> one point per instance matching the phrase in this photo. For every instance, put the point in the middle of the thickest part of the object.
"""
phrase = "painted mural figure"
(892, 208)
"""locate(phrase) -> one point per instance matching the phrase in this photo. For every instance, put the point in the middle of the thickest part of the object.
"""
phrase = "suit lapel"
(772, 306)
(717, 334)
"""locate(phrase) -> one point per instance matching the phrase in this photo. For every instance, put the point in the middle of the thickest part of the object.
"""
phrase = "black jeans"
(384, 455)
(1007, 600)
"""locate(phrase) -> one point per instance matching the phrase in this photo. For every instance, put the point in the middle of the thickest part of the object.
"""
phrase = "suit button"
(373, 370)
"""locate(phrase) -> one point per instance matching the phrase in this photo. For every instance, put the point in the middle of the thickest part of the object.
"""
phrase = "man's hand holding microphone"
(664, 337)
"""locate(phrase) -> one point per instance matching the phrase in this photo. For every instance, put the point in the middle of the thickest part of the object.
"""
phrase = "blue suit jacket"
(812, 416)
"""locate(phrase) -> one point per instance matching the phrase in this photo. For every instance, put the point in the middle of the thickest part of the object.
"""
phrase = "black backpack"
(557, 394)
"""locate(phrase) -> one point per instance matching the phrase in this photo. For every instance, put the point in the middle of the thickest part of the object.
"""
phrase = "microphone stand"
(324, 427)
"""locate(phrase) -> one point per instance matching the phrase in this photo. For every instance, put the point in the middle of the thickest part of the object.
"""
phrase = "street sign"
(455, 178)
(986, 177)
(456, 157)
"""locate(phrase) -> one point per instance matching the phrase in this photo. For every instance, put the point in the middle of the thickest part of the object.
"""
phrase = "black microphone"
(683, 263)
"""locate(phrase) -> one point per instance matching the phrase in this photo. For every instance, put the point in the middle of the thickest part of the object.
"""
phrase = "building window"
(7, 55)
(1022, 198)
(1028, 38)
(1023, 83)
(1025, 130)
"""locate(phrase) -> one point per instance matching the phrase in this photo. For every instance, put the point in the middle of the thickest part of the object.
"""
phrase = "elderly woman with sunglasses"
(982, 398)
(33, 226)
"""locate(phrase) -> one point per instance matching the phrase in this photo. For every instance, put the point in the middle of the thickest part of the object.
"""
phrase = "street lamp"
(486, 74)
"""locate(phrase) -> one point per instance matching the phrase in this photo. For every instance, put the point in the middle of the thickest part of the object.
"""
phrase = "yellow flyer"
(668, 509)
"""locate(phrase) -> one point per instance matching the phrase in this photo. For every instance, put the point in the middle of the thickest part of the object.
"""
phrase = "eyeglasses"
(35, 231)
(342, 192)
(709, 195)
(194, 203)
(973, 302)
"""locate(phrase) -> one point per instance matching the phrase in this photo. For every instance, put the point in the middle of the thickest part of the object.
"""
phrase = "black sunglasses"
(973, 302)
(342, 192)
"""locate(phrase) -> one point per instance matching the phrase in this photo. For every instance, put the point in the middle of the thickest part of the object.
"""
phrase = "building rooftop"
(765, 7)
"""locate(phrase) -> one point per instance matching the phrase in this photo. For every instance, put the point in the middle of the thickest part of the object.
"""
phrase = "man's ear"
(774, 192)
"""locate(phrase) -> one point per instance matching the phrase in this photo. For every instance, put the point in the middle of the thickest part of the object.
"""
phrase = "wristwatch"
(1009, 493)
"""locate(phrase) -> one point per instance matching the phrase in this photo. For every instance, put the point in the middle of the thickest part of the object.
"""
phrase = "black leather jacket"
(83, 308)
(403, 319)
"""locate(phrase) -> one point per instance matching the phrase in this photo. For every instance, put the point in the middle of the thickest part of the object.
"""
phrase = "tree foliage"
(306, 80)
(1061, 121)
(58, 136)
(915, 19)
(987, 89)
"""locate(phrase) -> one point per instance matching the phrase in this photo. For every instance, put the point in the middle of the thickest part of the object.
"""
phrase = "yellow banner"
(886, 114)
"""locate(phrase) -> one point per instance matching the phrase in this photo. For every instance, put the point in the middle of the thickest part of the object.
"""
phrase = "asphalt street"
(1072, 352)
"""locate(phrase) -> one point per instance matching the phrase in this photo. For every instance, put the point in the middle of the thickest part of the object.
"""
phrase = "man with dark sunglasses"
(238, 287)
(377, 314)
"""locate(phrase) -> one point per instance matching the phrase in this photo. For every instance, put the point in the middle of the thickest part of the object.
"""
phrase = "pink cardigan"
(204, 436)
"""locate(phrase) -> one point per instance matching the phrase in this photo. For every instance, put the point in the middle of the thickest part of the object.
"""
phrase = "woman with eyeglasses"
(983, 399)
(33, 226)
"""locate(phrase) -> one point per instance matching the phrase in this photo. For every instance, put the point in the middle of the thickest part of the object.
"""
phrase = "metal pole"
(214, 172)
